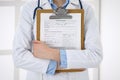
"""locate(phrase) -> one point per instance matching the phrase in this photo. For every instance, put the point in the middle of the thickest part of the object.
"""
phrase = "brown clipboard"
(81, 11)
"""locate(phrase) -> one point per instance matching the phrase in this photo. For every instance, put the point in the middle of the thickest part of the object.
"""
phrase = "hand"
(43, 51)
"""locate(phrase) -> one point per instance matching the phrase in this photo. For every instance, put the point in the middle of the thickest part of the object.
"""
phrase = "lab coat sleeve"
(92, 55)
(22, 45)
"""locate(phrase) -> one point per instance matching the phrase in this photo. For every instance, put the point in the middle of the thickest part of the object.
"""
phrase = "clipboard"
(38, 27)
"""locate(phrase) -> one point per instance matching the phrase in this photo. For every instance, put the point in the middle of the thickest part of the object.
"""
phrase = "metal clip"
(61, 13)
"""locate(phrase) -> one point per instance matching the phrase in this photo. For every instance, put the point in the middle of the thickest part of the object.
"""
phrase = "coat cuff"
(63, 59)
(52, 67)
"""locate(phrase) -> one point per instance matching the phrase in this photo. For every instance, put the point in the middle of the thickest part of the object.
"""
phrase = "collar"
(71, 2)
(54, 6)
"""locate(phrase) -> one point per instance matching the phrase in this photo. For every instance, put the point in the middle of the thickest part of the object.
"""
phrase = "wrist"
(55, 54)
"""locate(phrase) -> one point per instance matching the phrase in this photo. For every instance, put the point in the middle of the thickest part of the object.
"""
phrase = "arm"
(92, 55)
(43, 51)
(22, 45)
(57, 57)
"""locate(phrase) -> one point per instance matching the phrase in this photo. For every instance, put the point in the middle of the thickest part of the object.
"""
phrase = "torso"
(59, 76)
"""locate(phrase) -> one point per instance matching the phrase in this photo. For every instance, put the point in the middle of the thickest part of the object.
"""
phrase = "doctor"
(28, 53)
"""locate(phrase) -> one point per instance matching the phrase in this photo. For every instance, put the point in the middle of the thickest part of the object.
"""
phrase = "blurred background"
(107, 13)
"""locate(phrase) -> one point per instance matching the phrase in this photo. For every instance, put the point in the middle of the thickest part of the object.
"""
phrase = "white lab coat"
(36, 68)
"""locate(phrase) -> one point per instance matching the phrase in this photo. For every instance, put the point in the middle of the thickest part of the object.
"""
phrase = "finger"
(36, 42)
(39, 42)
(42, 42)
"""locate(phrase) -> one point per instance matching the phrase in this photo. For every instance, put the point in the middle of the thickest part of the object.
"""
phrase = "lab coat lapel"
(74, 4)
(45, 4)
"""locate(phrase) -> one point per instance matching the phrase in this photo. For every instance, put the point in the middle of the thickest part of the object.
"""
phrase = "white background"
(110, 29)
